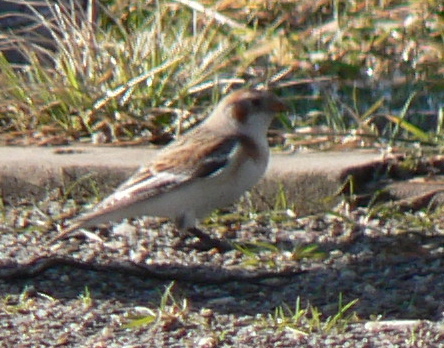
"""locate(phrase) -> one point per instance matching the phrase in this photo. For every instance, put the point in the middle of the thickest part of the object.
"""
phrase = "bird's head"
(248, 111)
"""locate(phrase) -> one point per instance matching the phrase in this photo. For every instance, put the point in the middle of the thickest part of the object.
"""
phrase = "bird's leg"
(186, 223)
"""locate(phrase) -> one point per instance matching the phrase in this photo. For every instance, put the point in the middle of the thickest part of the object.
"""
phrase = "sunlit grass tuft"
(170, 312)
(306, 320)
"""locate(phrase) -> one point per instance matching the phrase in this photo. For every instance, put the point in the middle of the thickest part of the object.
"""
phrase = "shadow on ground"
(398, 277)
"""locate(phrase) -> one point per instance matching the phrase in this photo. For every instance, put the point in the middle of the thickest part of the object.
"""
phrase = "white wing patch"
(141, 190)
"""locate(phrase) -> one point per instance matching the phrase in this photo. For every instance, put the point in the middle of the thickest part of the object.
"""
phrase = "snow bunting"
(207, 168)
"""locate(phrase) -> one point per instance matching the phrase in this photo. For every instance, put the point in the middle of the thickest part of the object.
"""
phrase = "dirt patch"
(86, 292)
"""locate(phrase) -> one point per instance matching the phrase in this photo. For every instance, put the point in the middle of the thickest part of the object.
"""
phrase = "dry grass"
(140, 74)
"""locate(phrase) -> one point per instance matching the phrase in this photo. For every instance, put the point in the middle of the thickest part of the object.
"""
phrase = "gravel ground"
(140, 286)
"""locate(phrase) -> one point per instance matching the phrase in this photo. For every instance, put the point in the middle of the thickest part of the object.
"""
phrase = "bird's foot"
(206, 242)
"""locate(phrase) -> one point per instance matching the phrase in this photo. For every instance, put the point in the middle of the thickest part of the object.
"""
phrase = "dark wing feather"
(217, 160)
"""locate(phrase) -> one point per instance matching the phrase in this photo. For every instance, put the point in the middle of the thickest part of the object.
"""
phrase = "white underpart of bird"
(205, 169)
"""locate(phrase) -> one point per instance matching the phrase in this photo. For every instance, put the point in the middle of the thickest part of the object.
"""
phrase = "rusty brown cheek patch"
(240, 112)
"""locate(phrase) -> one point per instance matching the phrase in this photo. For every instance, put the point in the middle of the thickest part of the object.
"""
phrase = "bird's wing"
(177, 165)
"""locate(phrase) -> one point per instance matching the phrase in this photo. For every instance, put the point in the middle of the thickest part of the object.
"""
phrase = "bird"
(206, 168)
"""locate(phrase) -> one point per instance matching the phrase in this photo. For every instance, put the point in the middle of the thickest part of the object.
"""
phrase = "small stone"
(207, 342)
(392, 325)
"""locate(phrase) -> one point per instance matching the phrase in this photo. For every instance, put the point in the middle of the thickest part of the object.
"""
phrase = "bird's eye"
(256, 102)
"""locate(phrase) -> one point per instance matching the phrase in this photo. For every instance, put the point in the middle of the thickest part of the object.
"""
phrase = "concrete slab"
(303, 180)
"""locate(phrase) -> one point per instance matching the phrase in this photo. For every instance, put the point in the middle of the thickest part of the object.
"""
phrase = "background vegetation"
(356, 72)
